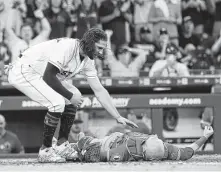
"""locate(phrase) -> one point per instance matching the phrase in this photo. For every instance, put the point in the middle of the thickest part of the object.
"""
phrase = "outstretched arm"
(208, 131)
(175, 153)
(105, 99)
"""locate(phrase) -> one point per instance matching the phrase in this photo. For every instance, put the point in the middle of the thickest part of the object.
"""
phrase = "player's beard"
(90, 52)
(93, 54)
(99, 56)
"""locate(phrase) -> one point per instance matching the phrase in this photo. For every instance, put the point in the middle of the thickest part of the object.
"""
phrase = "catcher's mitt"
(87, 151)
(92, 152)
(84, 142)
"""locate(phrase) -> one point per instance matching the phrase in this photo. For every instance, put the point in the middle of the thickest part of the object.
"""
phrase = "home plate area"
(197, 163)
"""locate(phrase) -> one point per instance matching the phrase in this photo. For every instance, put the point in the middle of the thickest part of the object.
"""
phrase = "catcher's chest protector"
(128, 148)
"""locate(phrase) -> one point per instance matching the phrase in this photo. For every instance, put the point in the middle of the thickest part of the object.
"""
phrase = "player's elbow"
(186, 153)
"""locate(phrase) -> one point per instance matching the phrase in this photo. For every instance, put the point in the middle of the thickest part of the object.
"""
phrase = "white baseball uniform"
(27, 72)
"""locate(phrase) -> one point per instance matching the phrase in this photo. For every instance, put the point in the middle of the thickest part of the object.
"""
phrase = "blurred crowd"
(147, 37)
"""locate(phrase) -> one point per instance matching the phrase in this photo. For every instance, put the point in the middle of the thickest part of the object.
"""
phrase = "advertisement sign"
(120, 101)
(175, 101)
(92, 102)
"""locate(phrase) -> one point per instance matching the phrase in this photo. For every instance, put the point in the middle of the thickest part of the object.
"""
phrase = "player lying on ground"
(42, 73)
(134, 147)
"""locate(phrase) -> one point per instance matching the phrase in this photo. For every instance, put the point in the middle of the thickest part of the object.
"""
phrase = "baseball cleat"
(48, 155)
(67, 151)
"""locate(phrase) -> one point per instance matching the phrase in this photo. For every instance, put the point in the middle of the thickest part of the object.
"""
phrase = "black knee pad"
(70, 109)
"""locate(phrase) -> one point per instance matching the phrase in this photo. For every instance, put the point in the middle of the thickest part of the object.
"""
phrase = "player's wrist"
(201, 141)
(71, 96)
(118, 117)
(206, 136)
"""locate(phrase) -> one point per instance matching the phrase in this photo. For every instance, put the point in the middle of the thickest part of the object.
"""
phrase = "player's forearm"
(104, 98)
(197, 144)
(54, 83)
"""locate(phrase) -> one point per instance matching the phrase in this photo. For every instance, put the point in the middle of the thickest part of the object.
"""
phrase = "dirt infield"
(197, 163)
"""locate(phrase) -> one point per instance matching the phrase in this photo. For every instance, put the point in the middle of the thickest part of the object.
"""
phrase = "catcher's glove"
(92, 153)
(87, 151)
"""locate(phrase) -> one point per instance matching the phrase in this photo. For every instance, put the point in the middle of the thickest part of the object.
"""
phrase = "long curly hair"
(87, 43)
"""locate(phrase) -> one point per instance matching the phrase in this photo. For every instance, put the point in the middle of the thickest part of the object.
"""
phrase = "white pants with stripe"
(30, 82)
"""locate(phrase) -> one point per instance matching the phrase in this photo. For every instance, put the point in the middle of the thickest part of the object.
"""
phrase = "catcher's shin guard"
(67, 120)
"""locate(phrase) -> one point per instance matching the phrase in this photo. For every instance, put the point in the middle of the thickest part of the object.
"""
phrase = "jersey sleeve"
(176, 153)
(62, 52)
(89, 69)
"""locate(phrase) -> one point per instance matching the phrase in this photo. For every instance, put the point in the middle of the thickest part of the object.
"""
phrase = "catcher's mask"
(153, 148)
(93, 43)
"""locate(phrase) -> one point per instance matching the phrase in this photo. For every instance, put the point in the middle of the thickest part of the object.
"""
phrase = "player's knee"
(77, 96)
(70, 109)
(58, 105)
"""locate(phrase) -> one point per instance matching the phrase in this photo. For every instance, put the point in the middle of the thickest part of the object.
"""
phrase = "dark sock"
(50, 123)
(67, 120)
